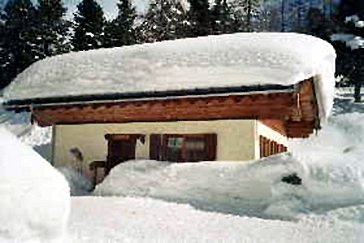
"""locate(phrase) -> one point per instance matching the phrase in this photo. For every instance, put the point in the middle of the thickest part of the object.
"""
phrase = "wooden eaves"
(291, 110)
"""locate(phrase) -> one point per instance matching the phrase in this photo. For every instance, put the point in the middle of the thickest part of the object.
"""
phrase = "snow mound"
(241, 59)
(333, 177)
(229, 187)
(35, 199)
(333, 161)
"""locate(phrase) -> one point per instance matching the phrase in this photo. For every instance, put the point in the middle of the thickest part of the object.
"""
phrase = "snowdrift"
(35, 199)
(229, 187)
(333, 160)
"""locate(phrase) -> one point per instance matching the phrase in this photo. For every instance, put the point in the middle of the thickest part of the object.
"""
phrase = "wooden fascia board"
(276, 105)
(297, 111)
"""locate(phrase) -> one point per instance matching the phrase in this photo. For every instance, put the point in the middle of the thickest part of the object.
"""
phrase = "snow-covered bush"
(34, 197)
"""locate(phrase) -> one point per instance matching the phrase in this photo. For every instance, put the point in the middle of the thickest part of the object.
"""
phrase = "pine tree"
(351, 17)
(165, 20)
(271, 16)
(354, 26)
(121, 31)
(246, 14)
(200, 17)
(18, 42)
(89, 26)
(52, 29)
(222, 21)
(3, 54)
(317, 24)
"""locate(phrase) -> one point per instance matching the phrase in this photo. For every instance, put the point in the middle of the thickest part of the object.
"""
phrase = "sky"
(109, 6)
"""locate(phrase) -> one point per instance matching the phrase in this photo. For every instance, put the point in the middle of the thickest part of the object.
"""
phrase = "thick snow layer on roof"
(34, 197)
(240, 59)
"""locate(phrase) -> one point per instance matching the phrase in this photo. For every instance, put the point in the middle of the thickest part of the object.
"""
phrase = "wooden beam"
(293, 114)
(202, 108)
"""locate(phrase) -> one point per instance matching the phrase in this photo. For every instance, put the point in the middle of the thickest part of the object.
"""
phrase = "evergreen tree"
(200, 17)
(354, 26)
(120, 31)
(271, 16)
(165, 20)
(3, 54)
(51, 28)
(222, 21)
(246, 14)
(317, 24)
(89, 26)
(350, 61)
(18, 42)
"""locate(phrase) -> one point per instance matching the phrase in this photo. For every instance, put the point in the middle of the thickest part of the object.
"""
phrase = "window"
(183, 147)
(175, 143)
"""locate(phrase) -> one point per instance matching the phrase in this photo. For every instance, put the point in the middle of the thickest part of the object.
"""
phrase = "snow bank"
(334, 162)
(35, 198)
(240, 59)
(229, 187)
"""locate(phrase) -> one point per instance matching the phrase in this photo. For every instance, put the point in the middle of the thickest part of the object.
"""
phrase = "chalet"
(230, 97)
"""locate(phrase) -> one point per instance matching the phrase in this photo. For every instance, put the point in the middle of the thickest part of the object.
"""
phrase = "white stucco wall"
(236, 139)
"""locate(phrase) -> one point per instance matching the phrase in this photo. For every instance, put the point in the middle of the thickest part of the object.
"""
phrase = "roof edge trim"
(25, 104)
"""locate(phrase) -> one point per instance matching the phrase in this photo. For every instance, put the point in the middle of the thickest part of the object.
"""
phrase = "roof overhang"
(295, 107)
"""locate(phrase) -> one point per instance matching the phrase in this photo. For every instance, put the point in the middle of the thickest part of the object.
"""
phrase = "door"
(121, 147)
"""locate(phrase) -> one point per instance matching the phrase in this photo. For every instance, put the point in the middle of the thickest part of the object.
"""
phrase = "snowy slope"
(241, 59)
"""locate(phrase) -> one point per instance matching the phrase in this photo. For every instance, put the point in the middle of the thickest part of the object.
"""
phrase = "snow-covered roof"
(242, 59)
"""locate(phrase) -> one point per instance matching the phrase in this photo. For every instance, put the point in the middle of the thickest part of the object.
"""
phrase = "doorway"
(121, 148)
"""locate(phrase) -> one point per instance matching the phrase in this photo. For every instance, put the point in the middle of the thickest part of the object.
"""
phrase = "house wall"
(236, 139)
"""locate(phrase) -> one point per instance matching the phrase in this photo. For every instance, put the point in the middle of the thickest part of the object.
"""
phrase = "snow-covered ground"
(115, 219)
(225, 202)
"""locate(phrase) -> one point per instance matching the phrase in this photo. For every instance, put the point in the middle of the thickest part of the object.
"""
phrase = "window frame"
(159, 147)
